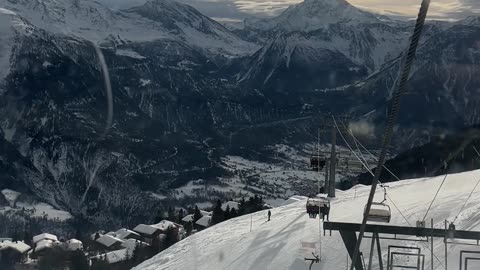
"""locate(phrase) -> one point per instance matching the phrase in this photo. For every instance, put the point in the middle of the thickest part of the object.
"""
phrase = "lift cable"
(370, 171)
(389, 198)
(431, 203)
(348, 145)
(368, 151)
(358, 149)
(465, 203)
(470, 195)
(392, 117)
(396, 177)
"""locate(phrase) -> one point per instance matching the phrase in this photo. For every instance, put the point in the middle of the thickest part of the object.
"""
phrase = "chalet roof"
(146, 229)
(115, 256)
(230, 204)
(205, 213)
(204, 221)
(44, 236)
(188, 218)
(44, 244)
(122, 233)
(131, 244)
(108, 240)
(19, 246)
(74, 244)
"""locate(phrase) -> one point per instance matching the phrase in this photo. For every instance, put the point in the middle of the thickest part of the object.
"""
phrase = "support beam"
(379, 250)
(372, 246)
(350, 240)
(399, 230)
(462, 252)
(470, 259)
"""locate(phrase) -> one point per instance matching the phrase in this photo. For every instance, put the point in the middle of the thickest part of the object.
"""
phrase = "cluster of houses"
(118, 246)
(27, 255)
(112, 247)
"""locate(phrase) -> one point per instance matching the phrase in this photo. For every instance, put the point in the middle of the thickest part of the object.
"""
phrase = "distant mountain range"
(187, 91)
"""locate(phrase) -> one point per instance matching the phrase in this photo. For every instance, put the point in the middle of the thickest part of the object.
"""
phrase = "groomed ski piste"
(277, 244)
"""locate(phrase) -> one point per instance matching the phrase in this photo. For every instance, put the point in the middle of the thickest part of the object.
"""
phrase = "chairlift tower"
(333, 161)
(327, 160)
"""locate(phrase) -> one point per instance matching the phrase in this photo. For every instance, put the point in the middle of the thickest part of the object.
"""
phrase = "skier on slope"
(269, 214)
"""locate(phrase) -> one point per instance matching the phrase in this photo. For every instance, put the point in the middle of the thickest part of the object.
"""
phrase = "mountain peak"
(311, 15)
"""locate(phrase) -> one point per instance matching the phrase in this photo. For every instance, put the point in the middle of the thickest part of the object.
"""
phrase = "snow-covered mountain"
(367, 39)
(312, 15)
(319, 44)
(155, 20)
(442, 90)
(11, 25)
(188, 94)
(169, 101)
(278, 244)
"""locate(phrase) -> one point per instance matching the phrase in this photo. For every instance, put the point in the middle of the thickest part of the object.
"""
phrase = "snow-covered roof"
(74, 244)
(188, 218)
(19, 246)
(131, 244)
(205, 213)
(122, 233)
(108, 240)
(146, 229)
(115, 256)
(204, 221)
(73, 240)
(44, 236)
(165, 224)
(230, 204)
(44, 244)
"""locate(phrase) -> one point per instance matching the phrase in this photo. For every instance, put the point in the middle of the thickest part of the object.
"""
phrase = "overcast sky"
(240, 9)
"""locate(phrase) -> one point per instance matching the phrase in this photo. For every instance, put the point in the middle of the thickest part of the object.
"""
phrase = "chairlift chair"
(379, 212)
(317, 205)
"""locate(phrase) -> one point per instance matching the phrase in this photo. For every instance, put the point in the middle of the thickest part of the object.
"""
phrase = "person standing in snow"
(269, 214)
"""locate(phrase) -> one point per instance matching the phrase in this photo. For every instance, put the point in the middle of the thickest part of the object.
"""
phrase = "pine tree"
(242, 207)
(100, 264)
(181, 215)
(158, 216)
(171, 237)
(171, 214)
(217, 215)
(189, 227)
(137, 255)
(227, 214)
(233, 213)
(197, 214)
(78, 235)
(78, 261)
(27, 238)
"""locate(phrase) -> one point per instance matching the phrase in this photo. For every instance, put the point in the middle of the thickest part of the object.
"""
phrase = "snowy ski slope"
(276, 244)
